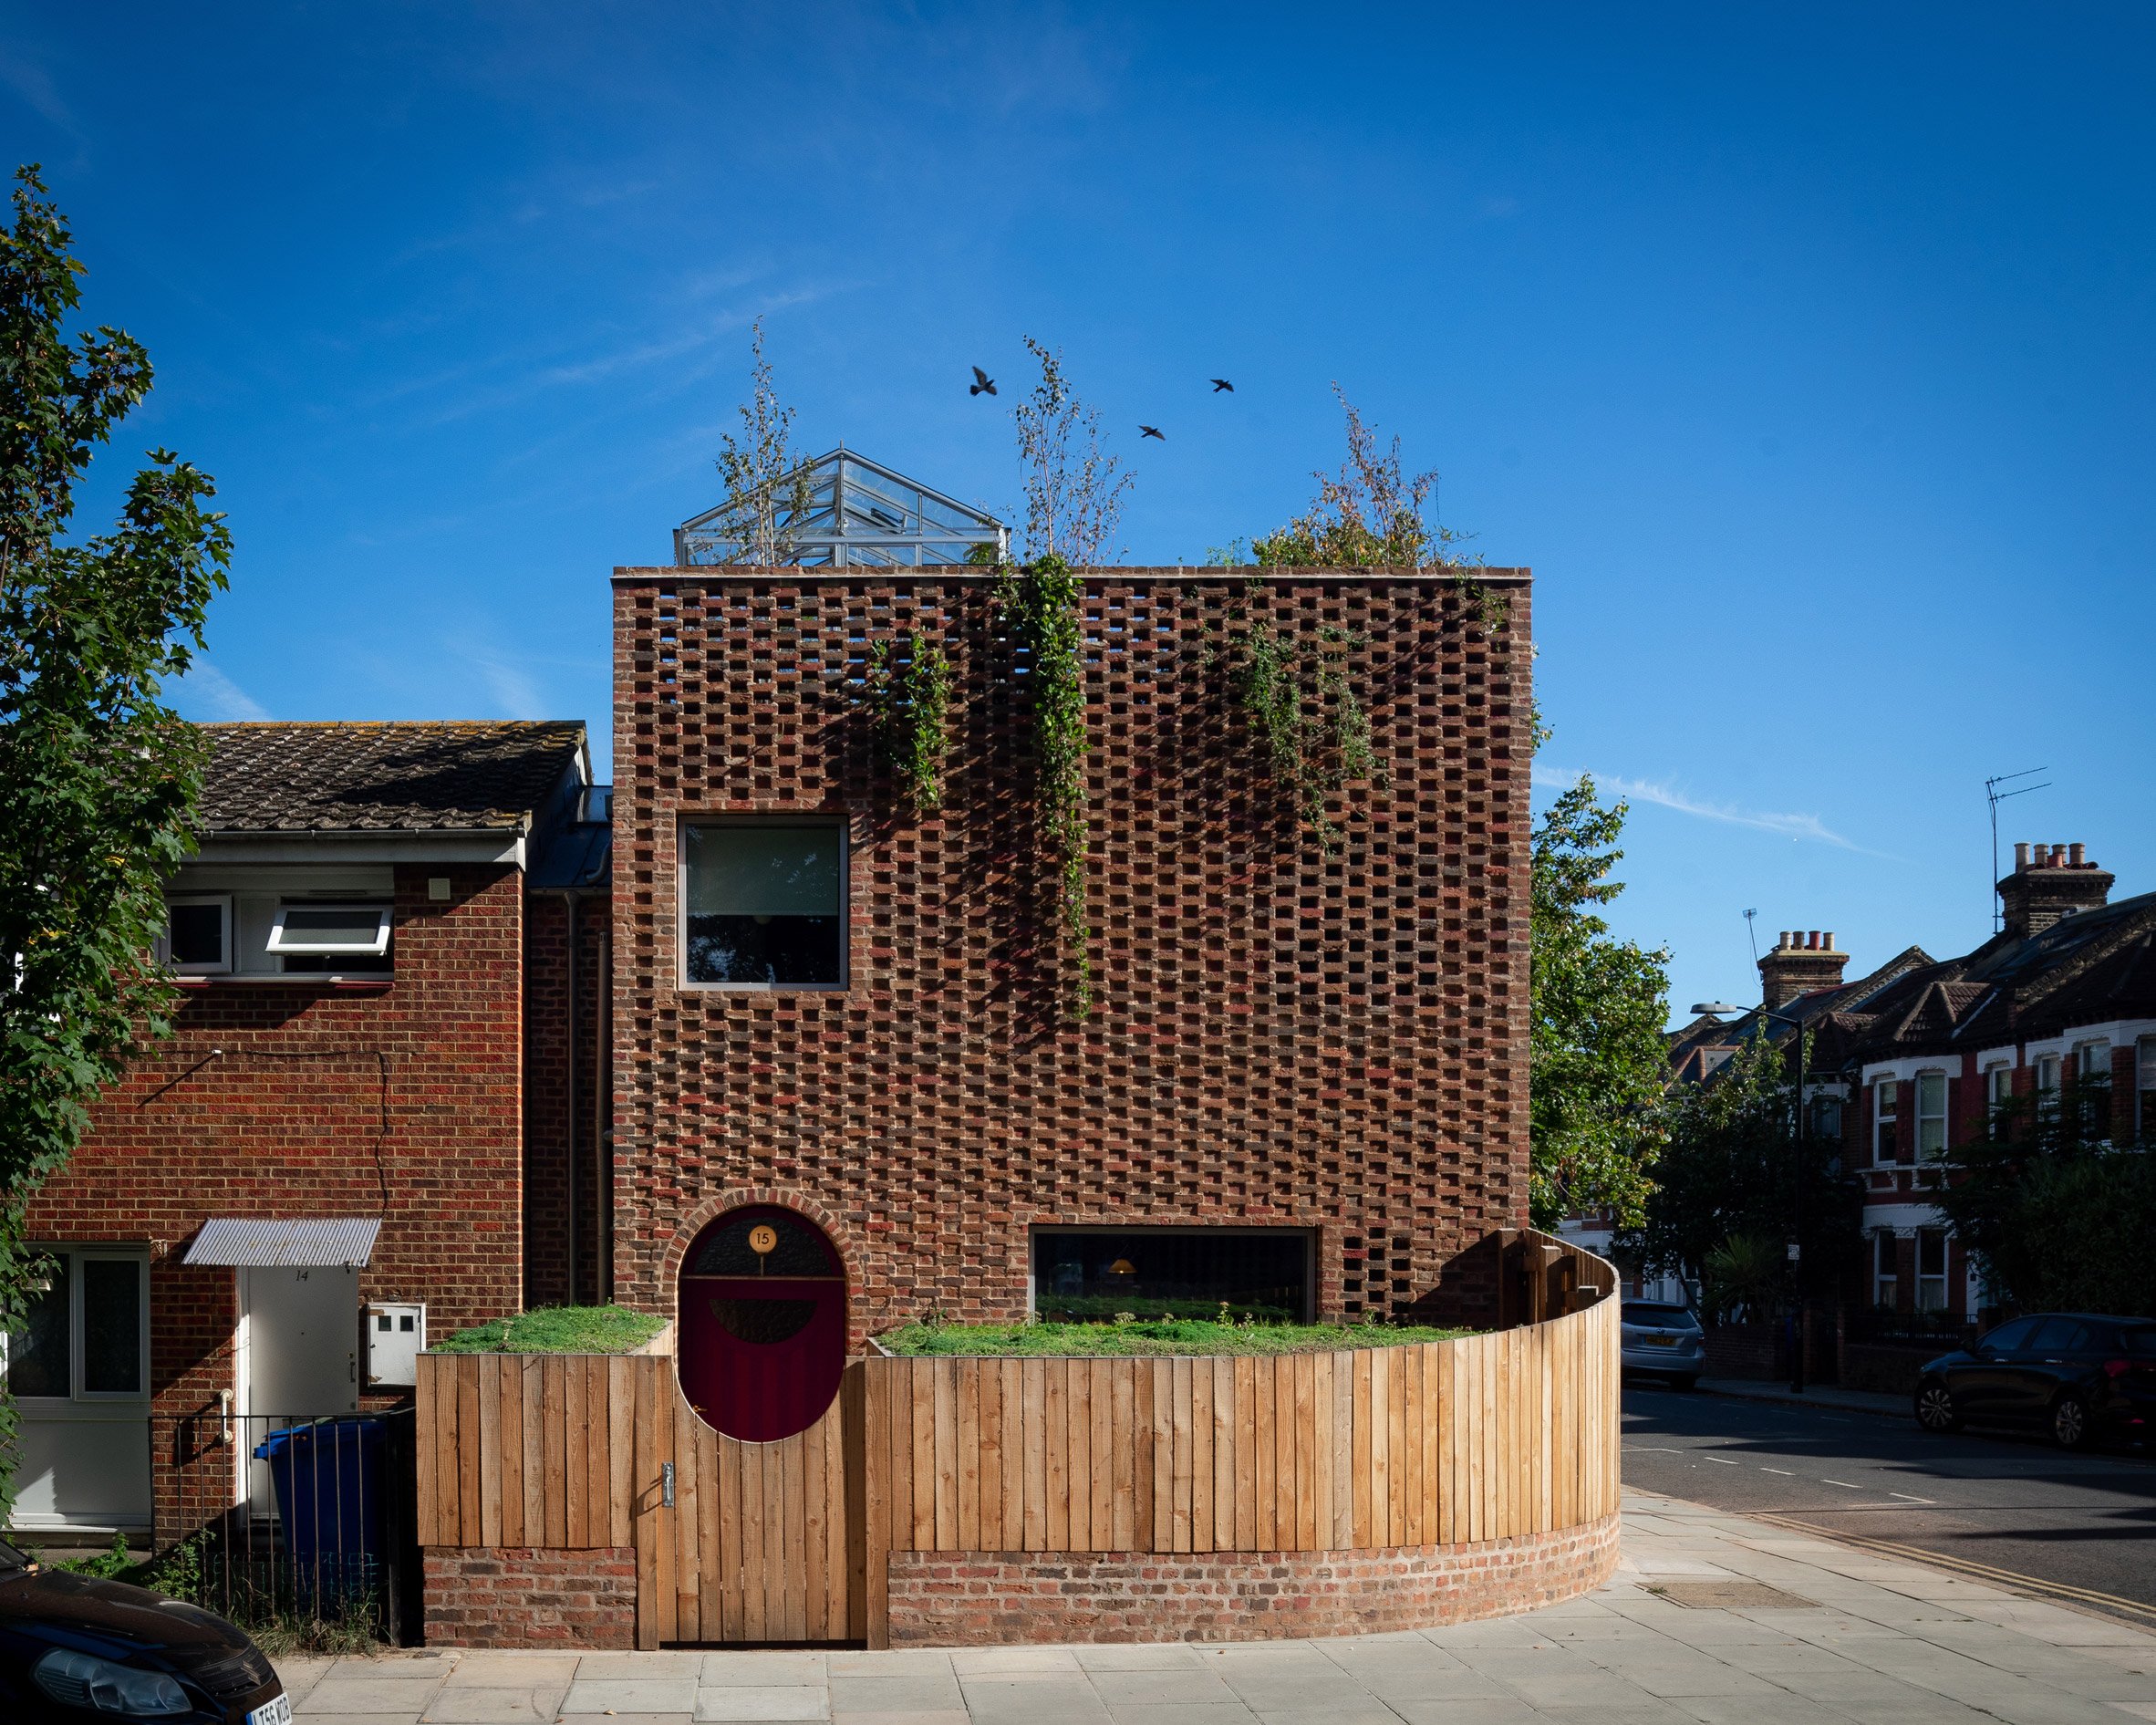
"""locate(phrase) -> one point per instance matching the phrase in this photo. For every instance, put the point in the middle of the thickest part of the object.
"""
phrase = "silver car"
(1663, 1339)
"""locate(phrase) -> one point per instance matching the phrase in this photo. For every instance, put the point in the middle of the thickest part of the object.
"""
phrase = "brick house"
(2058, 1006)
(369, 1098)
(1914, 1057)
(1302, 1083)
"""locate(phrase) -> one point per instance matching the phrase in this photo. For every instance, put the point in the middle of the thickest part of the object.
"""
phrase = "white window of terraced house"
(1931, 1115)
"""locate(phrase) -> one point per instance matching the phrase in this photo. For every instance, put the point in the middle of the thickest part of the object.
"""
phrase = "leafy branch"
(1042, 609)
(910, 695)
(768, 488)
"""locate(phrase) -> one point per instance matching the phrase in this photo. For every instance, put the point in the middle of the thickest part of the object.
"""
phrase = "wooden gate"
(580, 1453)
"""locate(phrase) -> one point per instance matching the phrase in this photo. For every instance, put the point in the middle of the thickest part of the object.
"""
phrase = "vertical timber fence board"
(1510, 1433)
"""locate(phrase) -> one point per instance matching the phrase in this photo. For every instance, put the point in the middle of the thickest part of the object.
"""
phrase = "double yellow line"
(2011, 1578)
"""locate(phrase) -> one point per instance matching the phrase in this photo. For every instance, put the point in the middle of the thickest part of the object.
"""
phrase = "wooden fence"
(1493, 1436)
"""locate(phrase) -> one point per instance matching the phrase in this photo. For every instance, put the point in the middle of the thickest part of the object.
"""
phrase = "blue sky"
(1804, 352)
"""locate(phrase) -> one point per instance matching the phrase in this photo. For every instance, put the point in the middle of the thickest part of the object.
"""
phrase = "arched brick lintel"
(803, 1204)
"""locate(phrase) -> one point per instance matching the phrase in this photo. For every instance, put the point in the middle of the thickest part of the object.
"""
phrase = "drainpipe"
(602, 1123)
(570, 902)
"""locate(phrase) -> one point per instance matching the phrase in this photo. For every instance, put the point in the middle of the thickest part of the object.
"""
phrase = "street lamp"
(1717, 1009)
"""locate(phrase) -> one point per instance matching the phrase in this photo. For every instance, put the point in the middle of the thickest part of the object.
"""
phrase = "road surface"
(2082, 1526)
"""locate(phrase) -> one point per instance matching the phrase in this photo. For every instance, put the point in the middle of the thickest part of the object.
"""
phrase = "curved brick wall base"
(969, 1599)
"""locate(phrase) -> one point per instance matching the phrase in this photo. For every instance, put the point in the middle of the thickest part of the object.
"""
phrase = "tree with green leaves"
(1597, 1062)
(2059, 1214)
(1729, 1178)
(98, 779)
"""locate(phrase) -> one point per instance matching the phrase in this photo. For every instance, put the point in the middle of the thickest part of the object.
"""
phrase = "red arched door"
(763, 1337)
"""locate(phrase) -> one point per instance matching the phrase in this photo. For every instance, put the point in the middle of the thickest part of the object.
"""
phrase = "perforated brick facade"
(1280, 1034)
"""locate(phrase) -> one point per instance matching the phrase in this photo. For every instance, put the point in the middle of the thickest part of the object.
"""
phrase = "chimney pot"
(2059, 881)
(1830, 939)
(2020, 858)
(1811, 940)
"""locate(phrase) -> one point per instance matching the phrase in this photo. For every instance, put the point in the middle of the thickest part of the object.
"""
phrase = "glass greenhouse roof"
(859, 515)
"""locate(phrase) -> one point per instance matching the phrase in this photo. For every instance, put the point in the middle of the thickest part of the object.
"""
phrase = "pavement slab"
(1879, 1642)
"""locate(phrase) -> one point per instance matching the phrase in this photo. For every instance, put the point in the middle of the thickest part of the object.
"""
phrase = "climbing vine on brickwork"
(1306, 718)
(909, 698)
(1040, 603)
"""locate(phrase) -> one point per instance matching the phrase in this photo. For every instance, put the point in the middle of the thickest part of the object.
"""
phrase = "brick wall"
(521, 1597)
(563, 1114)
(975, 1598)
(400, 1098)
(1281, 1035)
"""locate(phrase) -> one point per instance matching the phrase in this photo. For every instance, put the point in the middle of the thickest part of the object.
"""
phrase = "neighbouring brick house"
(1304, 1077)
(1914, 1058)
(2058, 1006)
(386, 957)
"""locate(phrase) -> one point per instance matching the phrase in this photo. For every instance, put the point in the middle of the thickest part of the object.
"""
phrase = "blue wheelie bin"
(329, 1480)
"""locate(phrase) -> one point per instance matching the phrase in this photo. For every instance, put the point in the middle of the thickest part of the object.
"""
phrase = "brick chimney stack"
(2049, 882)
(1802, 959)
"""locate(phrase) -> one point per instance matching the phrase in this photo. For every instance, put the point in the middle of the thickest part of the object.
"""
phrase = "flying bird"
(1151, 431)
(1222, 383)
(982, 383)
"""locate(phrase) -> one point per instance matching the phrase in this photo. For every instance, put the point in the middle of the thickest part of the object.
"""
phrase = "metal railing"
(294, 1518)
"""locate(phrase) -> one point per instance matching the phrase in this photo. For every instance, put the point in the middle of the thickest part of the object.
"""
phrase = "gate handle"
(666, 1484)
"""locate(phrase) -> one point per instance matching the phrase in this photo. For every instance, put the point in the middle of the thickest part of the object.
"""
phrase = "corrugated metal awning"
(313, 1242)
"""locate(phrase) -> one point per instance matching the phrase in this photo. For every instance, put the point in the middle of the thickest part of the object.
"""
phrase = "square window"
(764, 905)
(198, 934)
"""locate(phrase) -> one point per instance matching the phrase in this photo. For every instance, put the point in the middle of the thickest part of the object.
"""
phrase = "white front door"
(302, 1342)
(299, 1358)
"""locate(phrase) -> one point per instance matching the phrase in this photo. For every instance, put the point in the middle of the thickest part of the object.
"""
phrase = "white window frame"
(1998, 1088)
(1886, 1284)
(2092, 1059)
(1880, 1118)
(1919, 1154)
(222, 900)
(1930, 1290)
(375, 947)
(78, 1335)
(2046, 1068)
(2144, 1062)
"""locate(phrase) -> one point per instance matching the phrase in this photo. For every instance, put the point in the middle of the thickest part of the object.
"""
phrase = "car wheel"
(1935, 1410)
(2069, 1421)
(1683, 1380)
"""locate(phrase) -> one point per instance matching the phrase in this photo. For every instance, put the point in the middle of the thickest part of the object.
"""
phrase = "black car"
(75, 1648)
(2075, 1374)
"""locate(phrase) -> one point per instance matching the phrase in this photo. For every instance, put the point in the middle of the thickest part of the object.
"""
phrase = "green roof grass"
(1151, 1336)
(558, 1329)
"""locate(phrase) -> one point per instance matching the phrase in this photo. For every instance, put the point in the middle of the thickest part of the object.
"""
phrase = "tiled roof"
(417, 776)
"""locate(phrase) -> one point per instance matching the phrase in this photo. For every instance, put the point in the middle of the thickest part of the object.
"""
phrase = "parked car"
(1663, 1339)
(76, 1649)
(2075, 1374)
